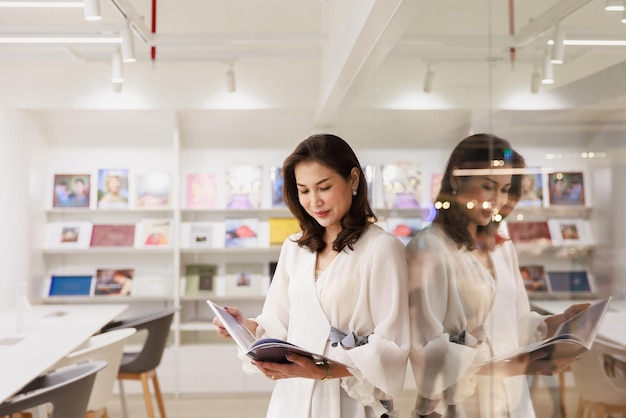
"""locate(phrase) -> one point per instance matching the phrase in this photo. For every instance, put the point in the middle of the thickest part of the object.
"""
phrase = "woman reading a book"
(339, 290)
(467, 298)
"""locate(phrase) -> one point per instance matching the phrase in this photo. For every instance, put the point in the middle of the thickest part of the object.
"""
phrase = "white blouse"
(452, 292)
(362, 291)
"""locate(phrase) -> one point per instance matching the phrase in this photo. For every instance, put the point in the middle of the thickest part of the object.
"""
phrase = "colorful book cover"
(566, 188)
(435, 186)
(530, 232)
(241, 232)
(114, 282)
(69, 234)
(71, 285)
(244, 279)
(534, 278)
(401, 185)
(154, 233)
(281, 229)
(201, 234)
(153, 190)
(276, 181)
(113, 189)
(200, 279)
(576, 281)
(71, 191)
(104, 235)
(532, 190)
(201, 191)
(243, 186)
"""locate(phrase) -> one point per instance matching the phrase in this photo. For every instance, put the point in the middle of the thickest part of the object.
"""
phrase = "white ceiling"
(354, 67)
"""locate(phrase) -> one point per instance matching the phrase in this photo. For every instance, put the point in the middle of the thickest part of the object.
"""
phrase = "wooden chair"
(600, 377)
(142, 365)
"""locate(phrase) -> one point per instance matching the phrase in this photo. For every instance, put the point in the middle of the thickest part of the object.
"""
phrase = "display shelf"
(274, 250)
(108, 251)
(105, 299)
(531, 213)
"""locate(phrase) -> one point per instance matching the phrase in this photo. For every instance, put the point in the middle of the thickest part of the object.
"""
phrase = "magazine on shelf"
(276, 181)
(402, 185)
(200, 279)
(201, 191)
(113, 188)
(241, 232)
(243, 186)
(572, 338)
(532, 190)
(71, 285)
(105, 235)
(529, 232)
(71, 190)
(69, 234)
(153, 189)
(534, 277)
(114, 282)
(571, 282)
(566, 188)
(282, 228)
(570, 231)
(153, 233)
(243, 279)
(265, 349)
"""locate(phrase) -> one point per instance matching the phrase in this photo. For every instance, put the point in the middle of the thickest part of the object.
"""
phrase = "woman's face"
(483, 196)
(324, 194)
(114, 184)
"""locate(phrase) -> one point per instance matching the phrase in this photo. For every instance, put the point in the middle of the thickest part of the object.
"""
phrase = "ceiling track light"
(429, 79)
(535, 81)
(128, 44)
(92, 10)
(231, 85)
(558, 46)
(614, 5)
(548, 71)
(117, 70)
(624, 14)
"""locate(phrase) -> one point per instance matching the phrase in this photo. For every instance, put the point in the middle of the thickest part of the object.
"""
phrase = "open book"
(572, 337)
(265, 349)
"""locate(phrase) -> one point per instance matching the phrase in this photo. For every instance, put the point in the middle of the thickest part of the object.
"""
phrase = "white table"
(613, 327)
(49, 334)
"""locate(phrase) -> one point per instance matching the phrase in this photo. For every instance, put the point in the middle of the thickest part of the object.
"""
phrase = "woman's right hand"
(236, 313)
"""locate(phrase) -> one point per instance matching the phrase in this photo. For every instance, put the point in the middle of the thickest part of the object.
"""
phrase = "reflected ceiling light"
(624, 16)
(535, 82)
(117, 74)
(548, 71)
(614, 5)
(92, 10)
(128, 44)
(53, 39)
(231, 84)
(428, 80)
(558, 46)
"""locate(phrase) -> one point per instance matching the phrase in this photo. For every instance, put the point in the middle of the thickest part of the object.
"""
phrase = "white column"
(16, 204)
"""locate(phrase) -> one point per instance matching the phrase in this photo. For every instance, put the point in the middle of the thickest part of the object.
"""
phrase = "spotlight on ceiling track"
(548, 71)
(117, 74)
(92, 10)
(128, 44)
(614, 5)
(231, 85)
(429, 79)
(558, 46)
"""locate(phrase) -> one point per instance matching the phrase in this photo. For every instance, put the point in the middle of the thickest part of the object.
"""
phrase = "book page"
(239, 333)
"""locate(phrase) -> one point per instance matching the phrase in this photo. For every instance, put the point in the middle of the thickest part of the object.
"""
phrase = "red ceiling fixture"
(512, 28)
(153, 48)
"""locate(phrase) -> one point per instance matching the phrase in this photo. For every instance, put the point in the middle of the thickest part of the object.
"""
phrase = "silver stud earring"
(454, 191)
(354, 191)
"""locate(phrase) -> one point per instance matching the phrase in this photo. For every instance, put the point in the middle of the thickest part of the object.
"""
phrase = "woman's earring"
(454, 191)
(354, 191)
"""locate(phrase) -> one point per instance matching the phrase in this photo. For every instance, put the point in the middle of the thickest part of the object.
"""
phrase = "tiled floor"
(253, 406)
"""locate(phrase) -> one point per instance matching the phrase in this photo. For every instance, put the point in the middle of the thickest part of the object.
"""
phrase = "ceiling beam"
(376, 29)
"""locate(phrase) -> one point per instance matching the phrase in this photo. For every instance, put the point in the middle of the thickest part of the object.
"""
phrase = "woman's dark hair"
(334, 153)
(478, 151)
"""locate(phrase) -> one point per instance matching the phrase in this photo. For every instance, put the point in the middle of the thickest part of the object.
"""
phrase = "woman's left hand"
(554, 321)
(300, 366)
